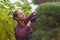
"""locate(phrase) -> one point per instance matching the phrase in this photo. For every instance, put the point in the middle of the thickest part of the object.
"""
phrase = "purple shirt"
(23, 33)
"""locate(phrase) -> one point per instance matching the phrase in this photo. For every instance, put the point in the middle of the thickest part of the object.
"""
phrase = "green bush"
(49, 14)
(37, 35)
(42, 35)
(48, 21)
(43, 1)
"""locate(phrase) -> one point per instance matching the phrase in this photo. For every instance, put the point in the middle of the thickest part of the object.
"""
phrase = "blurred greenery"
(48, 21)
(43, 1)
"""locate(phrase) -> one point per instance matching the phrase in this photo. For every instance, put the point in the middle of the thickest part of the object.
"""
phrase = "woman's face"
(20, 15)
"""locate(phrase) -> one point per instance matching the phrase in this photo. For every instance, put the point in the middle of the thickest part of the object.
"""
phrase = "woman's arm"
(23, 32)
(29, 17)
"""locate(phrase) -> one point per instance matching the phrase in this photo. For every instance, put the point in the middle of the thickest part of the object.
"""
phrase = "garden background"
(47, 25)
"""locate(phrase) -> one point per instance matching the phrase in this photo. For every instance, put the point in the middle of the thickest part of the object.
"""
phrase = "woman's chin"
(23, 19)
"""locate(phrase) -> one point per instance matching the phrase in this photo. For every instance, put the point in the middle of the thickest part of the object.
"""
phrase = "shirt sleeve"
(22, 32)
(29, 17)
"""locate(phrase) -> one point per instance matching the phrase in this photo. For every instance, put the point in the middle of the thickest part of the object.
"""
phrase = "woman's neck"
(21, 23)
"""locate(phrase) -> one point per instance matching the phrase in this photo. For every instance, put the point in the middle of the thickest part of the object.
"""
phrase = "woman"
(23, 28)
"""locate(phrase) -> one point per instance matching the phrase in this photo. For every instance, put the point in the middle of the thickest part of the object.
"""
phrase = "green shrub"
(49, 15)
(48, 21)
(43, 1)
(37, 35)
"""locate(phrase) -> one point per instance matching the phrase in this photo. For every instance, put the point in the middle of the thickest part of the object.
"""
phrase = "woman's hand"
(29, 24)
(34, 13)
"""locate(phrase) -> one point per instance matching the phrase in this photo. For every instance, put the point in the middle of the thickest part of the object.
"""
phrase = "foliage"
(50, 13)
(43, 1)
(48, 21)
